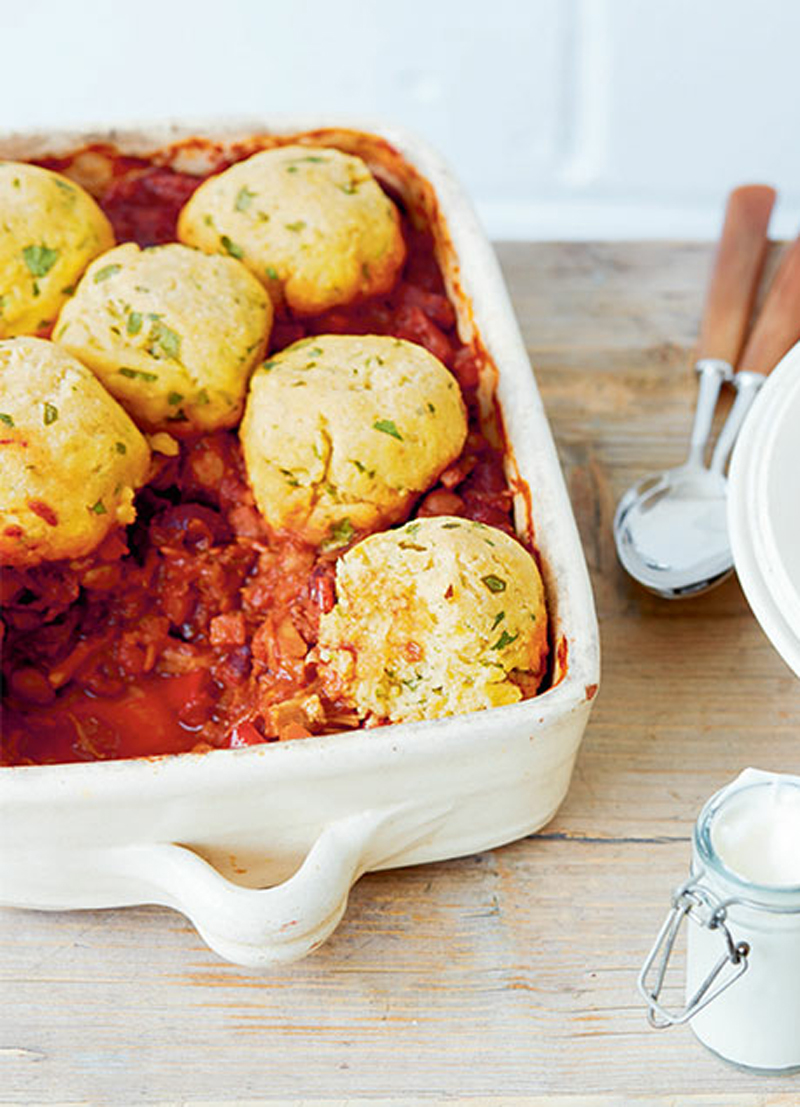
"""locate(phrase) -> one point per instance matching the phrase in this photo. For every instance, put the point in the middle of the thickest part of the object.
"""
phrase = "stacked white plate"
(764, 508)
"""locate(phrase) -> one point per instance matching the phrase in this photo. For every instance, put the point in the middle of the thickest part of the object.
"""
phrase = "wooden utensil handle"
(778, 325)
(737, 271)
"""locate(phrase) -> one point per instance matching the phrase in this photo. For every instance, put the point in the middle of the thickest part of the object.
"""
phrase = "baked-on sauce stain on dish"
(192, 629)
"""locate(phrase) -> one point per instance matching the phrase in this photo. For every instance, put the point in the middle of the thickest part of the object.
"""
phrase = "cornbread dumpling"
(50, 229)
(172, 333)
(70, 457)
(342, 432)
(311, 223)
(435, 618)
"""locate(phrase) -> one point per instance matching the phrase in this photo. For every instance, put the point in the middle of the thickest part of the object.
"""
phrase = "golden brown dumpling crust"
(311, 223)
(342, 432)
(50, 229)
(172, 333)
(71, 459)
(435, 618)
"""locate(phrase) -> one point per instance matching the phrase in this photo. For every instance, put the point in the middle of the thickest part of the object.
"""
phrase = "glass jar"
(743, 941)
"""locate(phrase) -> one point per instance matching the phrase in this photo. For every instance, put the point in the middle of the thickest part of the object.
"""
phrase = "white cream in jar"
(756, 833)
(742, 904)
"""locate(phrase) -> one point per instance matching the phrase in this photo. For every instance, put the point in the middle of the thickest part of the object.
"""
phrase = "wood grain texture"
(507, 976)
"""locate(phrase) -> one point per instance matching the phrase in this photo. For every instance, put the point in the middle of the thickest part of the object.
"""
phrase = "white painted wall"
(564, 118)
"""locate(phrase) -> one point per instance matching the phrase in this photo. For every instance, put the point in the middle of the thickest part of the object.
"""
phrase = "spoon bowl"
(671, 532)
(671, 528)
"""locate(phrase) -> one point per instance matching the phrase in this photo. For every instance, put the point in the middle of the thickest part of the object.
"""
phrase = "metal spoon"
(670, 528)
(679, 517)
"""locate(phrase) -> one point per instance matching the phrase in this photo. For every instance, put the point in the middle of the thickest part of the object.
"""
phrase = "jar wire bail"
(694, 902)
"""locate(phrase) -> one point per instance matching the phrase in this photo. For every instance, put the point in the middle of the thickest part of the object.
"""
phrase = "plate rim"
(747, 503)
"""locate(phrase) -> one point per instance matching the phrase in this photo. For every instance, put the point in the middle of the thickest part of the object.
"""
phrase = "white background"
(564, 118)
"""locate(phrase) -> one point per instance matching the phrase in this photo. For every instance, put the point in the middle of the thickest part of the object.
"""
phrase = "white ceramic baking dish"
(214, 834)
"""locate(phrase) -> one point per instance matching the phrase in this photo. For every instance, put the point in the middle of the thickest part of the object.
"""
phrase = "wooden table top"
(509, 976)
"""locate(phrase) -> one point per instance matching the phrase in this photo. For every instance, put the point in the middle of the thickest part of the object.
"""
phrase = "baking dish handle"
(260, 927)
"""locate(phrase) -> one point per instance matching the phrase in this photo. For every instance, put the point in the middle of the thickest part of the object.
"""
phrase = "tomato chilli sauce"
(192, 629)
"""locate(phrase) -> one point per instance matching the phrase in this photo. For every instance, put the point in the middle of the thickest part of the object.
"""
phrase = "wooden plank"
(509, 976)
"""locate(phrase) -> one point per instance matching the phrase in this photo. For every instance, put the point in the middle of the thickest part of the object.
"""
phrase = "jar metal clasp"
(694, 902)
